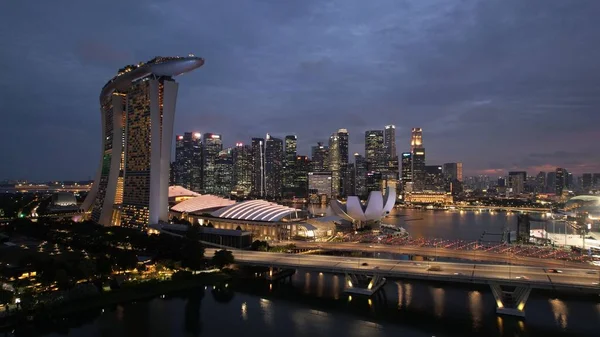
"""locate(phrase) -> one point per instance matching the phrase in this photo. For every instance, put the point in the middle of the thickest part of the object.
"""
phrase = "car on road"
(364, 264)
(370, 246)
(522, 277)
(591, 272)
(434, 268)
(458, 274)
(416, 263)
(556, 271)
(595, 283)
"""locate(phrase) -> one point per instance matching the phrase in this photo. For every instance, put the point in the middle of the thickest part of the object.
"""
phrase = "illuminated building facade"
(289, 162)
(320, 158)
(360, 176)
(273, 167)
(242, 169)
(418, 159)
(258, 167)
(137, 112)
(224, 181)
(212, 146)
(338, 161)
(188, 161)
(375, 151)
(516, 181)
(302, 167)
(319, 183)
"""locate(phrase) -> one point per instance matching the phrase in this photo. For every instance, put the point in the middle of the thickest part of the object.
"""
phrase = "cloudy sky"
(496, 84)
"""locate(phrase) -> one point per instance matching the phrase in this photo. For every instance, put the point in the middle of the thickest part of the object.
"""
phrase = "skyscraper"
(212, 145)
(289, 162)
(540, 182)
(320, 158)
(224, 173)
(406, 175)
(586, 181)
(560, 180)
(258, 167)
(390, 142)
(418, 159)
(137, 112)
(360, 176)
(434, 178)
(516, 181)
(188, 161)
(375, 151)
(242, 169)
(302, 167)
(273, 167)
(453, 171)
(338, 161)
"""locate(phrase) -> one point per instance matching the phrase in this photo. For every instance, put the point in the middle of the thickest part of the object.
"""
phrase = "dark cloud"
(494, 83)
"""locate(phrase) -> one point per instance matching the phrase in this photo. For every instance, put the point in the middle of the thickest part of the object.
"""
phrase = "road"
(473, 255)
(572, 279)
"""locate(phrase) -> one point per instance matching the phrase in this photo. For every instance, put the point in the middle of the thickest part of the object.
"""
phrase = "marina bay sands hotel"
(137, 110)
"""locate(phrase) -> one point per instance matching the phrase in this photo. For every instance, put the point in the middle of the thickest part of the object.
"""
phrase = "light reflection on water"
(476, 308)
(560, 311)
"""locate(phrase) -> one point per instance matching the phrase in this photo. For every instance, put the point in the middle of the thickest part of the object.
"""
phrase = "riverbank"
(128, 293)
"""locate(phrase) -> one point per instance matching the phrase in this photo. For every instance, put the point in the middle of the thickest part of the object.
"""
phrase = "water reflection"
(244, 311)
(336, 287)
(267, 311)
(559, 309)
(438, 301)
(192, 320)
(320, 285)
(476, 308)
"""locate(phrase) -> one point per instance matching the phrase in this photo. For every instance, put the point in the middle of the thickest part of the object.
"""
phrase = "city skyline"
(484, 93)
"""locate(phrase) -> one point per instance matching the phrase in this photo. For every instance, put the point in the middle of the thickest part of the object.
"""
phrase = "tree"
(223, 258)
(6, 296)
(103, 266)
(258, 245)
(193, 255)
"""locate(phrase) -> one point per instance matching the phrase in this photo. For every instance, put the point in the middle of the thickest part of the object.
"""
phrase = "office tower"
(188, 161)
(551, 182)
(434, 178)
(453, 171)
(258, 167)
(351, 185)
(418, 168)
(406, 175)
(596, 180)
(302, 166)
(390, 142)
(569, 180)
(289, 162)
(338, 161)
(540, 182)
(273, 167)
(375, 151)
(360, 176)
(137, 112)
(319, 183)
(560, 180)
(242, 170)
(586, 181)
(516, 181)
(416, 139)
(343, 139)
(373, 181)
(320, 158)
(224, 181)
(418, 158)
(212, 145)
(501, 182)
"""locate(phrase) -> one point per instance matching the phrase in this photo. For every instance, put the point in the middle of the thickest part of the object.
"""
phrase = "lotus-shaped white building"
(377, 207)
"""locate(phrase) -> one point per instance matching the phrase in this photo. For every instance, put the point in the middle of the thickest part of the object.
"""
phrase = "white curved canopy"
(255, 210)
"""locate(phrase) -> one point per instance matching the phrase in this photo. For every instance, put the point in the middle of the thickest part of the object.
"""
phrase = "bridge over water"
(510, 285)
